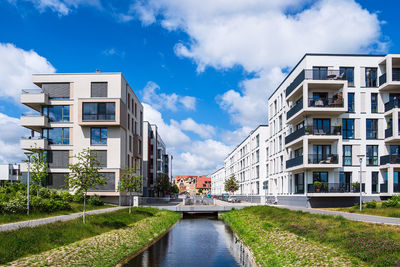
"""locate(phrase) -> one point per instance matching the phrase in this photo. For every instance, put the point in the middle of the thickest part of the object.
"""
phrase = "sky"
(203, 69)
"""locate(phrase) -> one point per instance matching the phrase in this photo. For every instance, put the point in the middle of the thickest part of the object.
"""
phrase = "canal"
(194, 241)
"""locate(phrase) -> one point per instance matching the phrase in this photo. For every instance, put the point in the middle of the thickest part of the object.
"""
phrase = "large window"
(320, 153)
(320, 177)
(372, 155)
(57, 136)
(99, 89)
(374, 182)
(98, 136)
(374, 103)
(320, 73)
(99, 111)
(321, 126)
(350, 103)
(370, 77)
(347, 155)
(348, 74)
(299, 183)
(372, 129)
(56, 113)
(348, 128)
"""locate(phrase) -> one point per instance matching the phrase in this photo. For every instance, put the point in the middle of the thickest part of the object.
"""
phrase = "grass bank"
(103, 241)
(75, 208)
(282, 237)
(378, 211)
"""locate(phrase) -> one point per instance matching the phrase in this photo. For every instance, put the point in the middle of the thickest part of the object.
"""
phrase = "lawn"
(75, 207)
(378, 211)
(282, 237)
(113, 236)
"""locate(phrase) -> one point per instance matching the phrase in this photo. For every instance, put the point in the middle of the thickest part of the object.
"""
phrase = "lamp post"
(360, 156)
(28, 154)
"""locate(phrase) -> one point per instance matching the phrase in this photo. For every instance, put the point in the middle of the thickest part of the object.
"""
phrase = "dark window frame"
(101, 138)
(102, 111)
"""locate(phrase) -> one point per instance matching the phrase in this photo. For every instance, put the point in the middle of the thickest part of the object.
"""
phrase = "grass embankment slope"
(75, 208)
(378, 211)
(104, 240)
(282, 237)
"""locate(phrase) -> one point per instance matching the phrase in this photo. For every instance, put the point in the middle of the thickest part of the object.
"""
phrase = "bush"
(392, 202)
(44, 192)
(66, 196)
(95, 201)
(54, 194)
(14, 206)
(78, 197)
(48, 205)
(371, 204)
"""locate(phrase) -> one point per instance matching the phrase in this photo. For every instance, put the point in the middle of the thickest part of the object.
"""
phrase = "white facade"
(9, 172)
(247, 162)
(218, 182)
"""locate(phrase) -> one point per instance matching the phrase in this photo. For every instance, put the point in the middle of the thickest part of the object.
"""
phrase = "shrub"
(17, 205)
(78, 197)
(48, 205)
(54, 194)
(371, 204)
(95, 201)
(44, 192)
(392, 202)
(66, 196)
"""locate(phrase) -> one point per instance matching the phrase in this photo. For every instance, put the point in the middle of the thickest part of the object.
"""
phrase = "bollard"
(136, 201)
(184, 201)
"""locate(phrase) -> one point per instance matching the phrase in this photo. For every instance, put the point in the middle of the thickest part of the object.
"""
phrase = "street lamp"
(360, 156)
(28, 154)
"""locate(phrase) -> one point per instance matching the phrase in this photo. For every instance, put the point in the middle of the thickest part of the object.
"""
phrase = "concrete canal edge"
(246, 256)
(152, 242)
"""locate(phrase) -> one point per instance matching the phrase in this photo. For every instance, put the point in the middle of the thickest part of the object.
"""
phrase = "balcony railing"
(295, 83)
(388, 132)
(326, 102)
(335, 188)
(333, 130)
(395, 75)
(390, 159)
(383, 188)
(296, 134)
(294, 162)
(322, 159)
(294, 110)
(382, 79)
(32, 91)
(394, 103)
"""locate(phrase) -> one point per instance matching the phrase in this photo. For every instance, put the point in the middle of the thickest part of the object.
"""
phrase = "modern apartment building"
(218, 182)
(155, 158)
(72, 112)
(9, 173)
(327, 112)
(247, 162)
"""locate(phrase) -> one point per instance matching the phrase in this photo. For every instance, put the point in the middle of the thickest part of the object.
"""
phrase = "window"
(320, 73)
(57, 90)
(57, 136)
(347, 155)
(321, 126)
(350, 103)
(394, 149)
(348, 74)
(57, 158)
(374, 182)
(320, 153)
(372, 155)
(374, 103)
(98, 111)
(257, 140)
(320, 177)
(372, 129)
(348, 128)
(98, 136)
(280, 122)
(299, 183)
(370, 77)
(56, 113)
(99, 89)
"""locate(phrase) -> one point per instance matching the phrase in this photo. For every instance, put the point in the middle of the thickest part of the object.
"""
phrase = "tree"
(200, 191)
(231, 185)
(38, 168)
(174, 189)
(162, 184)
(85, 174)
(130, 182)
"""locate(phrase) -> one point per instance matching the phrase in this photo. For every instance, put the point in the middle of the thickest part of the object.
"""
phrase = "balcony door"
(320, 73)
(320, 153)
(396, 187)
(321, 126)
(345, 181)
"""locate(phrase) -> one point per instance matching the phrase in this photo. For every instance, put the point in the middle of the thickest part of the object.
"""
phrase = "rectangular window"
(374, 103)
(371, 77)
(56, 113)
(374, 182)
(99, 111)
(101, 156)
(372, 155)
(56, 136)
(347, 155)
(320, 153)
(347, 73)
(348, 128)
(350, 103)
(99, 89)
(321, 126)
(98, 136)
(320, 73)
(320, 177)
(299, 183)
(57, 90)
(57, 158)
(372, 128)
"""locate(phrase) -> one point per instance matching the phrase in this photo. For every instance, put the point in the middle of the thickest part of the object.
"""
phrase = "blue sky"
(227, 56)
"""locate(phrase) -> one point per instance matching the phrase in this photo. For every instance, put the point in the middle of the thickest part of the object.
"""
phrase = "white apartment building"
(72, 112)
(329, 110)
(8, 172)
(218, 182)
(247, 162)
(155, 158)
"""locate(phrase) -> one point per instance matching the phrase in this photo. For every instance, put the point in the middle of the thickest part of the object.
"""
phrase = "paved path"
(347, 215)
(67, 217)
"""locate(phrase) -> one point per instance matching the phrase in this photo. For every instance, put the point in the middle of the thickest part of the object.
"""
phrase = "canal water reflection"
(196, 242)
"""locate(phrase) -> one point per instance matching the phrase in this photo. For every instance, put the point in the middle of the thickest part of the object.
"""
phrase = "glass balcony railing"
(326, 102)
(332, 130)
(394, 103)
(383, 188)
(294, 110)
(390, 159)
(294, 162)
(382, 79)
(295, 135)
(335, 188)
(388, 132)
(322, 159)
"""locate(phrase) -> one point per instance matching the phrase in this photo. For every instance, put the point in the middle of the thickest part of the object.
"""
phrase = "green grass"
(378, 211)
(28, 241)
(75, 207)
(355, 242)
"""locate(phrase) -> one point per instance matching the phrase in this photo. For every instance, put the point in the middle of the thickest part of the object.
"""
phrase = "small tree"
(85, 174)
(162, 184)
(130, 182)
(38, 168)
(174, 189)
(231, 185)
(200, 191)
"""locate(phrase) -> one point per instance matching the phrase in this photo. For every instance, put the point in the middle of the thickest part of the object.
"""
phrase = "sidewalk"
(61, 218)
(347, 215)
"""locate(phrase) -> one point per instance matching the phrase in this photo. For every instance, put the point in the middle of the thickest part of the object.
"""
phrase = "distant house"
(203, 183)
(8, 172)
(186, 183)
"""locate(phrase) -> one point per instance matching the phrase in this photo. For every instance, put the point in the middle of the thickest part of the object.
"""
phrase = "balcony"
(29, 143)
(392, 104)
(383, 188)
(385, 83)
(390, 159)
(317, 133)
(388, 132)
(294, 162)
(323, 159)
(294, 110)
(34, 122)
(336, 102)
(295, 135)
(335, 188)
(34, 98)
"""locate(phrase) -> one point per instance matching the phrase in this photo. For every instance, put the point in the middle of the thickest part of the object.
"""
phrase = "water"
(196, 242)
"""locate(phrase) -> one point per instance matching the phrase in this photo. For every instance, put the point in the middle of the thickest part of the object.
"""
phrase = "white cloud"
(203, 130)
(161, 100)
(114, 52)
(9, 139)
(264, 37)
(16, 69)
